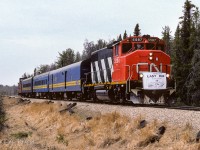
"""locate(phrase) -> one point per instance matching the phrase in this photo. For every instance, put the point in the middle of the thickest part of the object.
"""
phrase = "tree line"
(183, 47)
(8, 90)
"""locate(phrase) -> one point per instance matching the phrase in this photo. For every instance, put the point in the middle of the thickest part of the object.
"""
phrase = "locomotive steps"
(42, 124)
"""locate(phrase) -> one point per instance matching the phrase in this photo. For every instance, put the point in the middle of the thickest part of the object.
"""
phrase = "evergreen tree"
(186, 23)
(168, 39)
(119, 38)
(77, 57)
(125, 35)
(183, 51)
(193, 84)
(137, 30)
(100, 44)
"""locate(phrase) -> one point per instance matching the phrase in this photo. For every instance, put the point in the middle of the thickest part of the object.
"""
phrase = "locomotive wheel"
(94, 97)
(81, 98)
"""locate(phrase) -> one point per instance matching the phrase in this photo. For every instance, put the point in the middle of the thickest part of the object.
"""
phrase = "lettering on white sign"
(154, 80)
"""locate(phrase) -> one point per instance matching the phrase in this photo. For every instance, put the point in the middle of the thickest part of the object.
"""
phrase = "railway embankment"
(37, 124)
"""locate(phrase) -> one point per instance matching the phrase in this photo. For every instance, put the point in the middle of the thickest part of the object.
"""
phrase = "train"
(136, 69)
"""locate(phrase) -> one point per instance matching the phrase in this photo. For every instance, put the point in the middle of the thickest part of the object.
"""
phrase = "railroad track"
(130, 104)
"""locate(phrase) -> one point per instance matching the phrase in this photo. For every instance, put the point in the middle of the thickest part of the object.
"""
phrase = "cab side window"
(117, 50)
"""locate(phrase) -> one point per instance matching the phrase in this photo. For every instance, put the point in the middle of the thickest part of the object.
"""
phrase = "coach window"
(117, 50)
(126, 47)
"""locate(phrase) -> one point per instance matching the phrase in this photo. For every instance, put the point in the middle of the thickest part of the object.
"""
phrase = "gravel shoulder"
(172, 116)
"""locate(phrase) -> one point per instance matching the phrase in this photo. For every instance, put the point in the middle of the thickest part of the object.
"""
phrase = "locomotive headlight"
(141, 75)
(150, 54)
(150, 58)
(167, 75)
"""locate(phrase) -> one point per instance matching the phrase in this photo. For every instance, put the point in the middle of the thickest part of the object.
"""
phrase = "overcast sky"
(32, 32)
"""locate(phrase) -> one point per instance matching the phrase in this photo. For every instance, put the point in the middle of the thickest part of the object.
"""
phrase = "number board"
(152, 39)
(137, 39)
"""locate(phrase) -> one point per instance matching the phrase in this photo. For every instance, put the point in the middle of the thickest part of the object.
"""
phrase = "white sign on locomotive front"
(154, 80)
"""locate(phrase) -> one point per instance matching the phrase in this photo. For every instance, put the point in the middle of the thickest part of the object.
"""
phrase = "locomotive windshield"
(150, 46)
(160, 47)
(141, 44)
(126, 47)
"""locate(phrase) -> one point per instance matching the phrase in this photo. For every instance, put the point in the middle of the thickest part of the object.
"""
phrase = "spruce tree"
(193, 84)
(77, 57)
(183, 51)
(137, 30)
(119, 38)
(168, 39)
(125, 35)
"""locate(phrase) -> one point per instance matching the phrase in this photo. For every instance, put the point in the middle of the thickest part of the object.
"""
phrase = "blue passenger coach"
(41, 85)
(68, 79)
(27, 87)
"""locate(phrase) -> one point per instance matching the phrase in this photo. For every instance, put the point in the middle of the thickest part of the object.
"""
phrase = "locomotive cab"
(144, 67)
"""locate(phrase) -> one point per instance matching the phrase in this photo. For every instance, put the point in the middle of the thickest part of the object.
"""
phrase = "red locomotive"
(138, 69)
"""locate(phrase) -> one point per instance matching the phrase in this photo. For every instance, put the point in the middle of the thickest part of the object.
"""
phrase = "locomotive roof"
(100, 50)
(146, 37)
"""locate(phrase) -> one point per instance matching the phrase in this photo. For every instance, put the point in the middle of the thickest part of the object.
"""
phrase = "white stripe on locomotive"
(104, 70)
(98, 71)
(110, 64)
(92, 74)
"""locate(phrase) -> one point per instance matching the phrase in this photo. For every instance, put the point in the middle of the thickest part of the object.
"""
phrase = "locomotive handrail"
(138, 64)
(128, 79)
(132, 69)
(151, 67)
(155, 66)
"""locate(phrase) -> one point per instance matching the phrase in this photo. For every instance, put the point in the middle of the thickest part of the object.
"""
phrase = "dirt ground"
(42, 126)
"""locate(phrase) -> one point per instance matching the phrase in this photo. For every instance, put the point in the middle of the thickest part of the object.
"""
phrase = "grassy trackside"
(42, 126)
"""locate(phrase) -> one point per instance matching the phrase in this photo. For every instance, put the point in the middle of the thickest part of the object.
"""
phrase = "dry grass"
(2, 114)
(53, 130)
